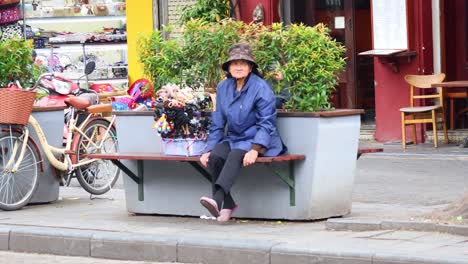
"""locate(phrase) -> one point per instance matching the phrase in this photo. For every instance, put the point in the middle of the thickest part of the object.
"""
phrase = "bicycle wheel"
(17, 188)
(100, 176)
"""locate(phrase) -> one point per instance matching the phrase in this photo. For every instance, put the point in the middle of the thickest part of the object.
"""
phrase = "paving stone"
(408, 225)
(51, 241)
(400, 235)
(296, 258)
(223, 251)
(127, 246)
(293, 253)
(352, 225)
(398, 259)
(452, 229)
(4, 237)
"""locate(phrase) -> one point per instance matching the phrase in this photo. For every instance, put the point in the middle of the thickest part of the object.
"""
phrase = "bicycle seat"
(79, 103)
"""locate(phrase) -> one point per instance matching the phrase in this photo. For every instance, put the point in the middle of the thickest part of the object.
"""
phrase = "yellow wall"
(139, 21)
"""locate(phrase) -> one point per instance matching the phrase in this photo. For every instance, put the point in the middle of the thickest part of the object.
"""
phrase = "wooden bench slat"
(161, 156)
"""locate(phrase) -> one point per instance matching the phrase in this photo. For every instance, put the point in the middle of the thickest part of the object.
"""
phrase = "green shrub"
(15, 62)
(267, 45)
(313, 61)
(207, 11)
(205, 48)
(308, 57)
(161, 58)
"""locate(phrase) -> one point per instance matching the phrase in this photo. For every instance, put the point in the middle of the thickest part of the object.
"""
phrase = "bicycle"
(20, 158)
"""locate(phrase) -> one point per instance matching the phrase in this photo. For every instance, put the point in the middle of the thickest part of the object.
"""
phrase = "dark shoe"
(211, 205)
(225, 214)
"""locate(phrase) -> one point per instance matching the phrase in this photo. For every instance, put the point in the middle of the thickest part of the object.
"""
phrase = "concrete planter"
(51, 120)
(324, 181)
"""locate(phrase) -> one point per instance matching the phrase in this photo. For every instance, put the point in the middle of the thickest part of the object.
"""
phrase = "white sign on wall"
(339, 22)
(389, 24)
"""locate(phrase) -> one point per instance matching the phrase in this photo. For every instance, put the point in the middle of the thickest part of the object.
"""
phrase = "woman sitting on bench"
(245, 103)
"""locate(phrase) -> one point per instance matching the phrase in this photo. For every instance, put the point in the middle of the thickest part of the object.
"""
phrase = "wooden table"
(454, 95)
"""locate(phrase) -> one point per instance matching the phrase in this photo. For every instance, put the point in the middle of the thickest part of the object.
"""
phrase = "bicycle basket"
(16, 106)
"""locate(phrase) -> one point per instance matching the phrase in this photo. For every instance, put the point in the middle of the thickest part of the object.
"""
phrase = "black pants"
(224, 166)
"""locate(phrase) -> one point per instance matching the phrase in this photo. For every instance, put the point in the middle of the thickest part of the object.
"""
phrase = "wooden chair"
(430, 113)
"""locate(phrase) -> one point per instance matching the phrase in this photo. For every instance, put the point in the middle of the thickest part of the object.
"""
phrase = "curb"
(186, 249)
(416, 156)
(371, 225)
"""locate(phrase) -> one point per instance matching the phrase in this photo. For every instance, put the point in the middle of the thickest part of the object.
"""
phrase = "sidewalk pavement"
(394, 194)
(425, 149)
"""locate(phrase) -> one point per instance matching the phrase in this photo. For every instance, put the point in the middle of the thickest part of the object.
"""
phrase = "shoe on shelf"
(210, 205)
(225, 214)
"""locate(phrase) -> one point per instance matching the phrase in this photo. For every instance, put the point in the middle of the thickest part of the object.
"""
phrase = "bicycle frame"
(51, 150)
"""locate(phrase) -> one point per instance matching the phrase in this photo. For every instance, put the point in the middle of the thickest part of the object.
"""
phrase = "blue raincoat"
(245, 118)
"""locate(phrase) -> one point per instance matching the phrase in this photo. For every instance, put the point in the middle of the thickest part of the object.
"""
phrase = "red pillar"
(391, 91)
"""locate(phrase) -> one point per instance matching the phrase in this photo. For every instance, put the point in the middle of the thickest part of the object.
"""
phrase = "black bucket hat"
(240, 51)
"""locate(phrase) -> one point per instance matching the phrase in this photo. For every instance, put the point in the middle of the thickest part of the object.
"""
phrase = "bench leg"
(138, 179)
(141, 195)
(287, 176)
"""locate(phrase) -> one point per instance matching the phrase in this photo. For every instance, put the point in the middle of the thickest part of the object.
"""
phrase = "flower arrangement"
(179, 113)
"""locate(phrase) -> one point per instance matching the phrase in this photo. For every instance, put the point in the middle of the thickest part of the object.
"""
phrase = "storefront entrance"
(454, 57)
(350, 24)
(454, 25)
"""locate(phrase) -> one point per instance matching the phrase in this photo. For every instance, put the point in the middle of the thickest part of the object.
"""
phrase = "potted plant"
(161, 58)
(15, 61)
(194, 58)
(17, 65)
(310, 61)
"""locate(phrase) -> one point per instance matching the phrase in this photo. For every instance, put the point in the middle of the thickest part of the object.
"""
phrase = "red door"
(455, 29)
(454, 51)
(349, 23)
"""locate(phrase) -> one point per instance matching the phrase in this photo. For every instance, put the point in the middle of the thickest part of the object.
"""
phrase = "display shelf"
(73, 8)
(66, 55)
(74, 19)
(77, 47)
(88, 43)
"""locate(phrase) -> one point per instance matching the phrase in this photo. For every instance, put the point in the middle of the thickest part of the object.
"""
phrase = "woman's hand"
(204, 158)
(250, 157)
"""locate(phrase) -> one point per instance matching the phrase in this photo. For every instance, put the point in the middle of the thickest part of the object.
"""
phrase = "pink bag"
(9, 15)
